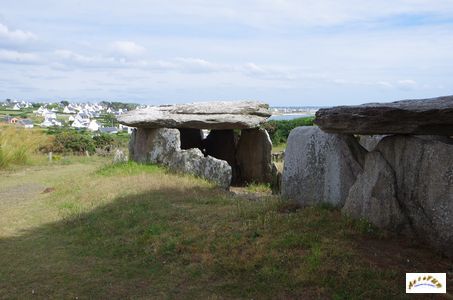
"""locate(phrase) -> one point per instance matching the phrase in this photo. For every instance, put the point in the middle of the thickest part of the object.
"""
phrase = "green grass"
(133, 231)
(279, 148)
(259, 188)
(14, 112)
(128, 168)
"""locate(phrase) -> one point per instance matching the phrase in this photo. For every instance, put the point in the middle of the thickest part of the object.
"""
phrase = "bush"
(73, 141)
(280, 129)
(18, 144)
(78, 142)
(104, 141)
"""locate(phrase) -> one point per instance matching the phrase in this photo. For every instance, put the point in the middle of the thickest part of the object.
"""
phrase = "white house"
(93, 126)
(126, 128)
(49, 115)
(39, 111)
(68, 110)
(109, 130)
(80, 123)
(49, 122)
(46, 123)
(16, 106)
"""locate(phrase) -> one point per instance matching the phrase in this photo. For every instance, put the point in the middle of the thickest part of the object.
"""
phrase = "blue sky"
(284, 52)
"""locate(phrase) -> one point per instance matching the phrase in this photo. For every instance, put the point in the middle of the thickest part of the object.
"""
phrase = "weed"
(17, 145)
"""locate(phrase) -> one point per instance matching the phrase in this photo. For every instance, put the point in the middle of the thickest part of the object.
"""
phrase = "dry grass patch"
(17, 145)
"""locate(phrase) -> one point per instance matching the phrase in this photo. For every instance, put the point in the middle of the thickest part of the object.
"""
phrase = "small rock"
(119, 157)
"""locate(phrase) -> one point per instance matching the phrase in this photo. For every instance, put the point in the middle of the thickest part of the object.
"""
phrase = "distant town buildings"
(95, 117)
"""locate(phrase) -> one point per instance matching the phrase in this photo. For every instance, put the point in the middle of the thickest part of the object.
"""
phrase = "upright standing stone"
(320, 167)
(166, 142)
(254, 156)
(373, 195)
(424, 185)
(141, 143)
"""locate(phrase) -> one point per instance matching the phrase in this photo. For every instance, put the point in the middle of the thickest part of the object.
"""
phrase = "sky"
(283, 52)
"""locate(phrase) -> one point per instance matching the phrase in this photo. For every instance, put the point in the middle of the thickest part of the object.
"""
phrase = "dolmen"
(388, 163)
(235, 151)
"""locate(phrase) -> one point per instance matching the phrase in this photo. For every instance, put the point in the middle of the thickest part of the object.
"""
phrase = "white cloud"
(15, 57)
(261, 72)
(384, 84)
(183, 65)
(128, 48)
(69, 57)
(407, 84)
(15, 35)
(327, 50)
(198, 65)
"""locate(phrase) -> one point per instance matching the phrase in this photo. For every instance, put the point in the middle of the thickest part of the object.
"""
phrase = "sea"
(288, 117)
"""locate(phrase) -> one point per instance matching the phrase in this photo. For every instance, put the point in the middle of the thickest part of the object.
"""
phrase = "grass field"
(86, 229)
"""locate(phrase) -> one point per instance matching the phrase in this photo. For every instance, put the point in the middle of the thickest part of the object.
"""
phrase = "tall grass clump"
(17, 145)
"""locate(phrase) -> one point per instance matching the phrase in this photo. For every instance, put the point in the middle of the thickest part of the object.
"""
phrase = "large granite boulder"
(424, 185)
(373, 195)
(320, 167)
(202, 115)
(163, 146)
(419, 117)
(194, 162)
(253, 156)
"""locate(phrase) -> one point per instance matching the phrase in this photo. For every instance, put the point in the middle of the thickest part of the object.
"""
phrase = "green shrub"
(68, 140)
(77, 142)
(104, 141)
(280, 129)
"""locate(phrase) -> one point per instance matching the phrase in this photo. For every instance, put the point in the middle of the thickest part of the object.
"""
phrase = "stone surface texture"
(139, 144)
(119, 157)
(202, 115)
(369, 142)
(373, 195)
(253, 156)
(164, 147)
(424, 185)
(320, 167)
(418, 117)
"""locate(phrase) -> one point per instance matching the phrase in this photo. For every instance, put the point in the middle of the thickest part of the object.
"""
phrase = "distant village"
(95, 117)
